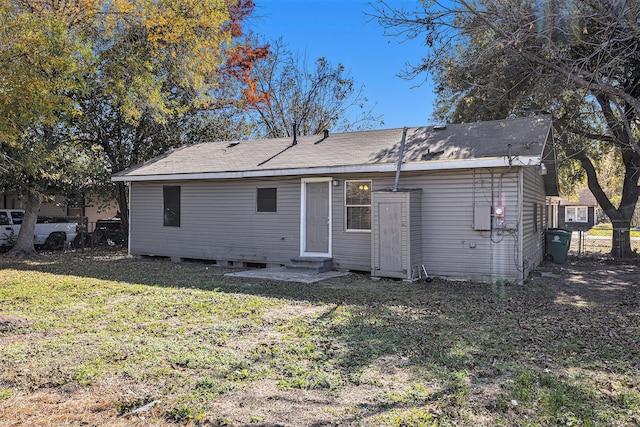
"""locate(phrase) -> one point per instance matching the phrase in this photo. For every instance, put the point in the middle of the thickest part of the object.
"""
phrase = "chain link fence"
(584, 244)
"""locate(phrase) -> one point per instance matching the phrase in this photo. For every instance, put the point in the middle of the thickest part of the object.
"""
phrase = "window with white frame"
(576, 214)
(358, 205)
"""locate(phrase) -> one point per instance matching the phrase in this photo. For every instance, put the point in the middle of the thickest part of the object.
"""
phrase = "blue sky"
(340, 31)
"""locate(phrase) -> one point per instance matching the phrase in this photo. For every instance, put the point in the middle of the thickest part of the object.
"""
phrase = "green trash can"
(557, 242)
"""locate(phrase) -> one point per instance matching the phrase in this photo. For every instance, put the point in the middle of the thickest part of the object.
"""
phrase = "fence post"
(580, 242)
(85, 230)
(81, 233)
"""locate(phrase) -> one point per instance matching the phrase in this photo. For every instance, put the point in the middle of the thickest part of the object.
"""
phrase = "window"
(358, 205)
(267, 200)
(535, 217)
(171, 197)
(16, 217)
(575, 214)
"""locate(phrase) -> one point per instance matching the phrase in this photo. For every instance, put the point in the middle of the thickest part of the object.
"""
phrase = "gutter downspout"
(400, 156)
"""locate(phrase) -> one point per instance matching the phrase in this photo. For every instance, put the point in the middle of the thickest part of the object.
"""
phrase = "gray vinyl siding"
(532, 234)
(415, 236)
(451, 248)
(219, 221)
(351, 249)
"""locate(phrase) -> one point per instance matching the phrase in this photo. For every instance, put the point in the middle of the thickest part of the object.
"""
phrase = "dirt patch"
(587, 281)
(264, 400)
(11, 323)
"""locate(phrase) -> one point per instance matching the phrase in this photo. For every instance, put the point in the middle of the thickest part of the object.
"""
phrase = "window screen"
(171, 197)
(267, 200)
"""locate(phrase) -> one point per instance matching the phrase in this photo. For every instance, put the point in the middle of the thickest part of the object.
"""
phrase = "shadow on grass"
(453, 337)
(435, 315)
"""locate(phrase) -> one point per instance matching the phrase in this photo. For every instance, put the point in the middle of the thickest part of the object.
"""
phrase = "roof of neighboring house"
(585, 198)
(516, 142)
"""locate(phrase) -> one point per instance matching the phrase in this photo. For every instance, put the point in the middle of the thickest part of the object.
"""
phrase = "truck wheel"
(54, 242)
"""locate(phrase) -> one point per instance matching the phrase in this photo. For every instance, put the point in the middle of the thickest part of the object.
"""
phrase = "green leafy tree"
(611, 175)
(123, 80)
(42, 61)
(122, 143)
(314, 100)
(576, 59)
(169, 73)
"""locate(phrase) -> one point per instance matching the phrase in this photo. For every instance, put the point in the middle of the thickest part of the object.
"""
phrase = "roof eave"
(344, 169)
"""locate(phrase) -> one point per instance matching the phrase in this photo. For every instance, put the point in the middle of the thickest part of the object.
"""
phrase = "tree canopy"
(113, 77)
(576, 59)
(171, 73)
(92, 87)
(42, 61)
(312, 99)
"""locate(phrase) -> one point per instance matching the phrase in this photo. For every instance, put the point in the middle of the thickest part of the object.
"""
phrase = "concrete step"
(314, 264)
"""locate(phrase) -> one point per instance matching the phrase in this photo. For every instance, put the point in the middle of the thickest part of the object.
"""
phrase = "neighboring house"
(579, 215)
(91, 210)
(470, 200)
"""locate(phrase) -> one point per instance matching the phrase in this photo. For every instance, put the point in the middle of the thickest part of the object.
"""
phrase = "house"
(467, 201)
(92, 209)
(579, 215)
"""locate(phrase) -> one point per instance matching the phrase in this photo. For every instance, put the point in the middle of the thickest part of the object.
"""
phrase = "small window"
(358, 205)
(267, 200)
(535, 217)
(575, 214)
(4, 218)
(171, 196)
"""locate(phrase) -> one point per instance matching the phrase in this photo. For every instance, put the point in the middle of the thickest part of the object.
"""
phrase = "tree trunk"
(123, 204)
(24, 245)
(621, 241)
(620, 217)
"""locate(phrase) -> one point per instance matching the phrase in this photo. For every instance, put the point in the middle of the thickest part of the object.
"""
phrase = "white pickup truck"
(52, 235)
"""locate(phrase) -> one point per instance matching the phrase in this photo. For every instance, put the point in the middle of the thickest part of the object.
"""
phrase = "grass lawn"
(103, 339)
(606, 229)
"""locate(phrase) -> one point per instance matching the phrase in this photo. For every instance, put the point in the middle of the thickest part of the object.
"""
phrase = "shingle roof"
(512, 139)
(585, 198)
